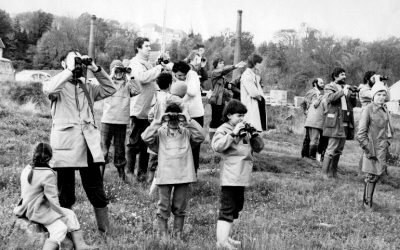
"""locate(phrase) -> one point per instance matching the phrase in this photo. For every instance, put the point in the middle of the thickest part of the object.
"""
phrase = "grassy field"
(288, 206)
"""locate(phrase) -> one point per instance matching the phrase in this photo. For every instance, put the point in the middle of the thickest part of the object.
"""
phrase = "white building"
(154, 33)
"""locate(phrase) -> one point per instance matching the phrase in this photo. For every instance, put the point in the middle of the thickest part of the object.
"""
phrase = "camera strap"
(86, 92)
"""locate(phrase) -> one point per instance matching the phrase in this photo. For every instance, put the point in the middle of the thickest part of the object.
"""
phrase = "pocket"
(62, 137)
(175, 147)
(330, 121)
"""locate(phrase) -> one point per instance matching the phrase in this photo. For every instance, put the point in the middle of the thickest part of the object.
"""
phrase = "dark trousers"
(118, 133)
(92, 183)
(263, 114)
(232, 200)
(137, 146)
(196, 148)
(216, 116)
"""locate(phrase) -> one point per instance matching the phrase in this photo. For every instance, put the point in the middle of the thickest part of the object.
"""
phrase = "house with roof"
(7, 72)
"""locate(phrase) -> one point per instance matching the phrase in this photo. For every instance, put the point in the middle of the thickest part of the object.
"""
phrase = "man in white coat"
(74, 137)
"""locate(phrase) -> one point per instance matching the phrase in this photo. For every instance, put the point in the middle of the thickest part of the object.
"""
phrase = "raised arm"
(222, 141)
(196, 131)
(150, 135)
(221, 72)
(106, 87)
(142, 75)
(331, 95)
(56, 83)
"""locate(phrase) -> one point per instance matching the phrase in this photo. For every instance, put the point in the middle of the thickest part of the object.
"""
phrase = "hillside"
(288, 206)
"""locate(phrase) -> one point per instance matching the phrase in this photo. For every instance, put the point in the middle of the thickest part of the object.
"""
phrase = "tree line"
(36, 40)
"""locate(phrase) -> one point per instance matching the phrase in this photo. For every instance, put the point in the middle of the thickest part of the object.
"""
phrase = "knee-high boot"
(334, 165)
(131, 160)
(326, 167)
(313, 151)
(369, 190)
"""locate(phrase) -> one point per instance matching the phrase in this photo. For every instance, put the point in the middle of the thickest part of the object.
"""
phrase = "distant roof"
(2, 46)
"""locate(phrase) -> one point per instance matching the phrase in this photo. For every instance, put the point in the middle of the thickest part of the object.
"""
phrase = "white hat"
(378, 86)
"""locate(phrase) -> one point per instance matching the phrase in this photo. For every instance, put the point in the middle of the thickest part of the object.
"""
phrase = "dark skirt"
(261, 108)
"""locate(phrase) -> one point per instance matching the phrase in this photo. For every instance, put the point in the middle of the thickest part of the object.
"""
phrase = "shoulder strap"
(85, 90)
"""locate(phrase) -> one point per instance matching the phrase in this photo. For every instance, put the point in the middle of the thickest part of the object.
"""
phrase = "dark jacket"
(335, 116)
(218, 78)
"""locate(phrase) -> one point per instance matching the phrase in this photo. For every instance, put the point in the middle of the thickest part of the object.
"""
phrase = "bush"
(30, 92)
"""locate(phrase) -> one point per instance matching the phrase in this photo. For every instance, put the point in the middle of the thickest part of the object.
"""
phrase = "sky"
(368, 20)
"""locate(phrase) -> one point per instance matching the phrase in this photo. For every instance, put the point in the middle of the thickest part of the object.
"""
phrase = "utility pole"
(91, 50)
(236, 57)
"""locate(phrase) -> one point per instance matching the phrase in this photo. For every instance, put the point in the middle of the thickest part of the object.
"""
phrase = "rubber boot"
(335, 165)
(103, 223)
(79, 242)
(178, 226)
(50, 245)
(150, 176)
(131, 160)
(223, 230)
(326, 168)
(313, 151)
(121, 173)
(368, 194)
(162, 226)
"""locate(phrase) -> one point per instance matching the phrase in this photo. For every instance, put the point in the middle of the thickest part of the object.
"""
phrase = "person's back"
(39, 202)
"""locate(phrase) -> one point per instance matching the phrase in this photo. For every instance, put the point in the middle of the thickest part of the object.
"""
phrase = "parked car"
(32, 76)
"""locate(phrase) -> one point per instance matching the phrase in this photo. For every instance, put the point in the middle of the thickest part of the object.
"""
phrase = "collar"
(376, 107)
(317, 90)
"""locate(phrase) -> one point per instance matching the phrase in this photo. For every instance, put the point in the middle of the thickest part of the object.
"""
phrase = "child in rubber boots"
(39, 202)
(236, 143)
(164, 96)
(171, 138)
(116, 115)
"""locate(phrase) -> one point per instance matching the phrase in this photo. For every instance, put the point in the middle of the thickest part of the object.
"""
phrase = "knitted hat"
(116, 63)
(126, 62)
(378, 86)
(178, 88)
(42, 154)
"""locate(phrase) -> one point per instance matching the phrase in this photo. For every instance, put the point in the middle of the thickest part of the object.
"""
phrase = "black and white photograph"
(199, 124)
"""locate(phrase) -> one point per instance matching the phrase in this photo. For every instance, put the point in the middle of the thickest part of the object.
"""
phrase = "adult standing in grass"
(236, 146)
(252, 95)
(74, 137)
(339, 120)
(314, 108)
(220, 91)
(374, 132)
(144, 74)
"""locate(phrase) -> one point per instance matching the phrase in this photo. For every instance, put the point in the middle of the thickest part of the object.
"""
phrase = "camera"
(248, 129)
(79, 61)
(123, 70)
(383, 78)
(168, 117)
(162, 60)
(354, 89)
